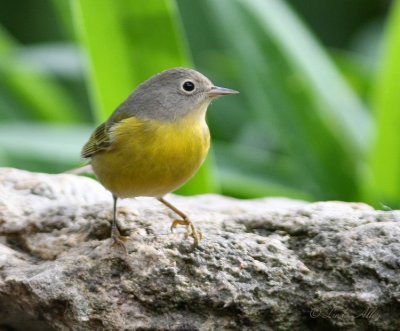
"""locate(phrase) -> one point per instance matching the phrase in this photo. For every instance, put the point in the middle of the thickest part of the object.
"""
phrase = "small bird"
(155, 141)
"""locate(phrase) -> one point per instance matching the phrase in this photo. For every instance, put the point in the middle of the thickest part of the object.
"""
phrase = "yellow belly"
(151, 158)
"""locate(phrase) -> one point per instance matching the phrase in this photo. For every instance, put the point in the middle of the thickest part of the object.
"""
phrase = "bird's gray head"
(171, 95)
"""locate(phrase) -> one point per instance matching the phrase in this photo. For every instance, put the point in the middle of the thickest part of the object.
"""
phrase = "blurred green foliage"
(316, 117)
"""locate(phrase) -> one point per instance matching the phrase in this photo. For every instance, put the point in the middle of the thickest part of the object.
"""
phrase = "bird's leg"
(193, 232)
(115, 234)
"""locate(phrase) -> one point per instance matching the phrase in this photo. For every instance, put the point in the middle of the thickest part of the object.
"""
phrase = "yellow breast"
(152, 158)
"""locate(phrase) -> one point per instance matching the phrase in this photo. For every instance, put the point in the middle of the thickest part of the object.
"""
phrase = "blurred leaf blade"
(6, 41)
(110, 74)
(41, 93)
(64, 12)
(242, 172)
(383, 184)
(63, 146)
(243, 185)
(352, 124)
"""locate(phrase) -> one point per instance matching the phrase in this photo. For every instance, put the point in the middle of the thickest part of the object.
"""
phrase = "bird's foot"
(191, 231)
(118, 240)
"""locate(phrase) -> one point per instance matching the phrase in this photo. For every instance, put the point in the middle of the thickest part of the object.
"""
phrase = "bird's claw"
(118, 240)
(191, 231)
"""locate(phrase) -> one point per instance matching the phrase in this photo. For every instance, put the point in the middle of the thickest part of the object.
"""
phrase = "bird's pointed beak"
(217, 91)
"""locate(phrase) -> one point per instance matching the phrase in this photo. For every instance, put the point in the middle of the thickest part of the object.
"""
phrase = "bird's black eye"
(188, 86)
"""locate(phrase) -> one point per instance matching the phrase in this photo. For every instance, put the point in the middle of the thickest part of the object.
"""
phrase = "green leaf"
(345, 116)
(358, 70)
(63, 11)
(47, 142)
(41, 95)
(6, 42)
(244, 185)
(383, 178)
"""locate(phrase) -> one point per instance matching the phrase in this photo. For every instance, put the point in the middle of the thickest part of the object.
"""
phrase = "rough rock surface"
(267, 264)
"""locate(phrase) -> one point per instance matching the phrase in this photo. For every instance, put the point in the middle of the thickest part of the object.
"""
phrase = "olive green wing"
(99, 140)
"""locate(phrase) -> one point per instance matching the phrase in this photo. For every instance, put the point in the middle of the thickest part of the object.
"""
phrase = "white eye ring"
(188, 86)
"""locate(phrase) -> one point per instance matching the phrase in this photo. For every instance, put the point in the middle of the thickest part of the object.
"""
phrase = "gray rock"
(266, 264)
